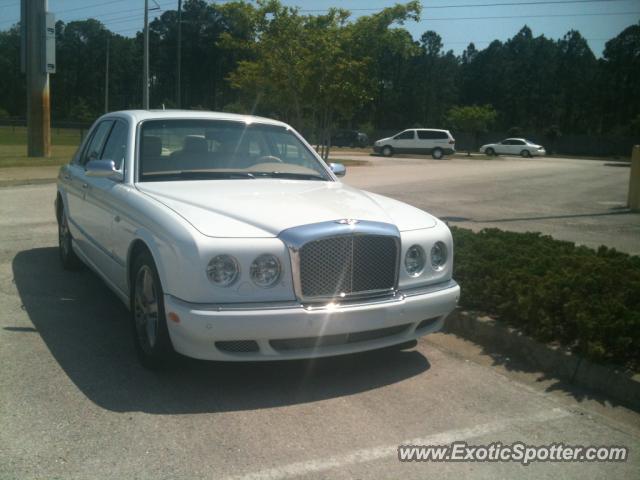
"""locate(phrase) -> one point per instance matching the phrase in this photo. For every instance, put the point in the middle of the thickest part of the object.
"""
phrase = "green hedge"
(554, 291)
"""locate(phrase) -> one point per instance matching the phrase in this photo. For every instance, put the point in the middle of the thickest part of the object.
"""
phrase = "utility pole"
(179, 73)
(38, 59)
(145, 60)
(106, 80)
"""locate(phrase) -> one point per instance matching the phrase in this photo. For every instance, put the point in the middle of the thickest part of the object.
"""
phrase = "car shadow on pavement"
(86, 328)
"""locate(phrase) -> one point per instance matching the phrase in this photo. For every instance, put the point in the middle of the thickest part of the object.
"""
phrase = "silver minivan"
(427, 141)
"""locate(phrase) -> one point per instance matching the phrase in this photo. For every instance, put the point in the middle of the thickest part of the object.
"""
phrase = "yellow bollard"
(633, 200)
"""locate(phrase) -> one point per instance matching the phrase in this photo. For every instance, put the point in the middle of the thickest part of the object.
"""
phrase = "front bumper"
(283, 331)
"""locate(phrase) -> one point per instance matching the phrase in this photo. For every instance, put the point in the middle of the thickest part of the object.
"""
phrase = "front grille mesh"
(348, 264)
(238, 346)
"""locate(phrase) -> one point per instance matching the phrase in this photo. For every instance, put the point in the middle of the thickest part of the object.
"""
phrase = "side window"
(116, 145)
(507, 142)
(94, 147)
(408, 135)
(517, 142)
(431, 135)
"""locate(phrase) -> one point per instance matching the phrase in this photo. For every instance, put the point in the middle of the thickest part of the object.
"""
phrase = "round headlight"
(438, 255)
(265, 270)
(223, 270)
(414, 260)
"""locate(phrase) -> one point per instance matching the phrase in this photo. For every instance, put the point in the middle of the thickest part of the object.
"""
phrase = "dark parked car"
(349, 138)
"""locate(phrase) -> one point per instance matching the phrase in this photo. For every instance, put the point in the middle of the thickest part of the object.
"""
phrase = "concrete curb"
(619, 385)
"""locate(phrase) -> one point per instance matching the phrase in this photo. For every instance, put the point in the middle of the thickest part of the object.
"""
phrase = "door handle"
(85, 185)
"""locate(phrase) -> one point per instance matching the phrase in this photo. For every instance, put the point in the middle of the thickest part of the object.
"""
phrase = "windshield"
(221, 149)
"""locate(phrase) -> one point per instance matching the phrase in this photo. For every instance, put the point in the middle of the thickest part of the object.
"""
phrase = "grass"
(59, 136)
(13, 147)
(16, 156)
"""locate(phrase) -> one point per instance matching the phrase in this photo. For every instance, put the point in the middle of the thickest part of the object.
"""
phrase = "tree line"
(328, 71)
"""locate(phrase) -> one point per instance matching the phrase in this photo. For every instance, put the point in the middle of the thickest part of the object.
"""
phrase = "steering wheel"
(269, 158)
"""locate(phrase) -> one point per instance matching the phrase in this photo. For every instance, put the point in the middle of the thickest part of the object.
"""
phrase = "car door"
(77, 186)
(504, 147)
(425, 141)
(517, 146)
(103, 203)
(405, 142)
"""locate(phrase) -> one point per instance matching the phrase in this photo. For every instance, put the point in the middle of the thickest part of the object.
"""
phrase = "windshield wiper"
(198, 175)
(291, 175)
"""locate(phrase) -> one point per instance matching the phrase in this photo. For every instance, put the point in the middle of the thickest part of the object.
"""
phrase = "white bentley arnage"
(229, 238)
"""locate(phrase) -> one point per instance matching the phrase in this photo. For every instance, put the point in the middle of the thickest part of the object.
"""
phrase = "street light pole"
(145, 59)
(179, 73)
(37, 68)
(106, 81)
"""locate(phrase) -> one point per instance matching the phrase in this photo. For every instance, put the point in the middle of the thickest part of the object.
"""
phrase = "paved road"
(583, 201)
(75, 404)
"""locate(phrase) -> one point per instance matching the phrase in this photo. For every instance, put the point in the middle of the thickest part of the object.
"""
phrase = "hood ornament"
(347, 221)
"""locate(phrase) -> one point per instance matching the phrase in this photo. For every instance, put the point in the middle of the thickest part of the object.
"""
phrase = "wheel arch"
(138, 245)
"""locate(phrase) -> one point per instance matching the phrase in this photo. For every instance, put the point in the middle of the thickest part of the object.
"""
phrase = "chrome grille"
(348, 265)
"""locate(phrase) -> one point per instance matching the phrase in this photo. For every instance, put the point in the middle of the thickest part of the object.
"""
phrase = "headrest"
(151, 146)
(195, 144)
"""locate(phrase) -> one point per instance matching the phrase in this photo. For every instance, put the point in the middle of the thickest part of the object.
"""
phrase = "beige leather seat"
(152, 159)
(194, 155)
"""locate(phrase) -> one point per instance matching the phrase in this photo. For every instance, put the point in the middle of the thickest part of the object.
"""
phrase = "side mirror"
(338, 169)
(102, 169)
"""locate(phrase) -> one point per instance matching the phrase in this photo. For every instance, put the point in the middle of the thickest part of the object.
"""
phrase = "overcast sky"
(478, 21)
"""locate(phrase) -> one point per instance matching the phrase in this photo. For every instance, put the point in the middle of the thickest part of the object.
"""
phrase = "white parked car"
(427, 141)
(230, 239)
(514, 146)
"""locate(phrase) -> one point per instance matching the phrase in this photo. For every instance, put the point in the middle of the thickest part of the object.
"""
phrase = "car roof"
(514, 138)
(141, 115)
(429, 129)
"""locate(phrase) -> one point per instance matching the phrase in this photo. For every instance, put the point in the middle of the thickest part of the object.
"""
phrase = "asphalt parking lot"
(75, 404)
(583, 201)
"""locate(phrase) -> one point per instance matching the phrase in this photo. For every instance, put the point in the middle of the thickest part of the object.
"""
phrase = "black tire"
(525, 154)
(387, 151)
(150, 333)
(437, 153)
(490, 151)
(68, 257)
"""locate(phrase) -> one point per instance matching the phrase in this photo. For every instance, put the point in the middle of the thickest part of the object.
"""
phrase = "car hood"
(265, 207)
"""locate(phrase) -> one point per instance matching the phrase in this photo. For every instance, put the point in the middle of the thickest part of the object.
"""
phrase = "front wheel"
(437, 153)
(490, 152)
(150, 333)
(387, 151)
(68, 257)
(525, 153)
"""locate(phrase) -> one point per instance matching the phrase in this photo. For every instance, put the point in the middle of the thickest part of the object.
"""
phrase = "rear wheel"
(68, 257)
(150, 333)
(437, 153)
(387, 151)
(525, 153)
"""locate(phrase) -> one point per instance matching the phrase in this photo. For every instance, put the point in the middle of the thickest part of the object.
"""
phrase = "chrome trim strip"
(395, 297)
(295, 238)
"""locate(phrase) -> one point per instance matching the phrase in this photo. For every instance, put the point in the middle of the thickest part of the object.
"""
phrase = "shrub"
(555, 291)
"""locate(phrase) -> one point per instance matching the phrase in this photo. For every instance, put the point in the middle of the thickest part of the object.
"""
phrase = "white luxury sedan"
(230, 239)
(514, 146)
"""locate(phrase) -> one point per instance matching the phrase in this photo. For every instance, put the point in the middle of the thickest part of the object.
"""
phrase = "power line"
(549, 15)
(467, 5)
